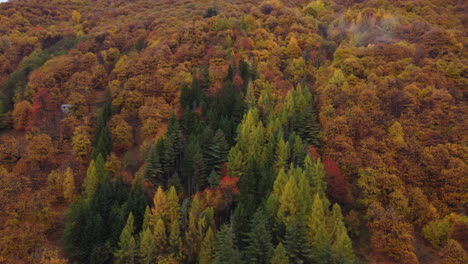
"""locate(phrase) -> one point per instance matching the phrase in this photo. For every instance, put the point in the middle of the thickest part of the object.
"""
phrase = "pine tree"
(173, 207)
(315, 172)
(192, 236)
(280, 183)
(101, 171)
(259, 247)
(173, 216)
(136, 203)
(153, 170)
(69, 185)
(225, 249)
(296, 244)
(319, 236)
(91, 181)
(289, 203)
(217, 151)
(282, 154)
(127, 246)
(279, 255)
(341, 248)
(147, 249)
(213, 179)
(207, 247)
(147, 219)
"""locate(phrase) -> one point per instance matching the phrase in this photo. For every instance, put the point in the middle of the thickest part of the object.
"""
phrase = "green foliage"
(279, 255)
(127, 244)
(147, 247)
(297, 246)
(259, 247)
(226, 251)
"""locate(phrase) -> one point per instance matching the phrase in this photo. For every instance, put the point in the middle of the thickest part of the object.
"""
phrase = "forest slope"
(328, 131)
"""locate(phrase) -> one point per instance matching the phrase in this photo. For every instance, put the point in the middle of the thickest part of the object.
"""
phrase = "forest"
(232, 132)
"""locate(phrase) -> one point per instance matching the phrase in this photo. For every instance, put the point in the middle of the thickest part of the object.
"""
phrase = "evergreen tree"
(192, 236)
(217, 151)
(259, 247)
(152, 169)
(127, 245)
(213, 179)
(136, 204)
(225, 249)
(101, 171)
(207, 247)
(91, 181)
(289, 203)
(296, 244)
(279, 255)
(147, 248)
(103, 137)
(315, 172)
(319, 236)
(341, 248)
(147, 219)
(282, 154)
(173, 215)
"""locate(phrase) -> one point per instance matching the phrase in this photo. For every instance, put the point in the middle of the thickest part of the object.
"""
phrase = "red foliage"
(313, 152)
(210, 51)
(41, 109)
(222, 195)
(237, 81)
(337, 187)
(247, 43)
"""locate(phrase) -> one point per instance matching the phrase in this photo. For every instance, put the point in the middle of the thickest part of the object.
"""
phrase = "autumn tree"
(81, 143)
(121, 133)
(21, 115)
(40, 148)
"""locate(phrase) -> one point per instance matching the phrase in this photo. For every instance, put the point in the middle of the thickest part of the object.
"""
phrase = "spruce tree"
(217, 151)
(259, 247)
(126, 254)
(279, 255)
(296, 244)
(213, 179)
(152, 169)
(226, 251)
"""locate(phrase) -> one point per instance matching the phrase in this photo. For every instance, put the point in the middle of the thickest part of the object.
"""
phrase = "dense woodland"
(242, 131)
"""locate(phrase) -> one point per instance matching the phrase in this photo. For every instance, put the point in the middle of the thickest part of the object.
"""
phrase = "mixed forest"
(229, 132)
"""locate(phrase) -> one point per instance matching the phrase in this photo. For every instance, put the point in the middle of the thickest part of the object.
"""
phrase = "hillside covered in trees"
(228, 132)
